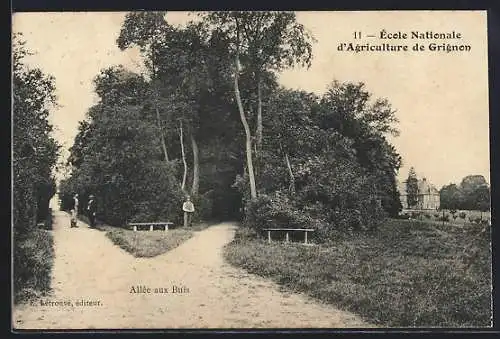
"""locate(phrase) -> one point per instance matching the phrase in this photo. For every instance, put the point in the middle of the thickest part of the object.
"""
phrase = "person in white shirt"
(188, 209)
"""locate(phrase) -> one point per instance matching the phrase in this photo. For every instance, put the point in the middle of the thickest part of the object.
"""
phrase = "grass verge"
(406, 275)
(33, 262)
(149, 244)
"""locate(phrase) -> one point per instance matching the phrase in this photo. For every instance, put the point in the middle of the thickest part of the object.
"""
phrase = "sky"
(441, 99)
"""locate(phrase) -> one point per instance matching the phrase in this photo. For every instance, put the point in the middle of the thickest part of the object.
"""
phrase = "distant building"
(427, 198)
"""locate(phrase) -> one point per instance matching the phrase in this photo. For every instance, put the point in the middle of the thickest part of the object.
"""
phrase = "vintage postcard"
(215, 170)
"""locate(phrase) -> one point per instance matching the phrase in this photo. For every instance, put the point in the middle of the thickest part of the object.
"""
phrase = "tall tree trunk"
(248, 136)
(35, 209)
(162, 135)
(258, 133)
(291, 188)
(158, 117)
(196, 166)
(184, 176)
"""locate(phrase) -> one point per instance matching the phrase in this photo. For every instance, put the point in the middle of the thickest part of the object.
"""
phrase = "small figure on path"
(74, 211)
(188, 209)
(91, 210)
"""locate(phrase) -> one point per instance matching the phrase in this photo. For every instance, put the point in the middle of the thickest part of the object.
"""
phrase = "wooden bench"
(136, 226)
(288, 230)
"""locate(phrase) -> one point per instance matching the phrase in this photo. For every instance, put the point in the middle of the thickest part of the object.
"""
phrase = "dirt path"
(214, 294)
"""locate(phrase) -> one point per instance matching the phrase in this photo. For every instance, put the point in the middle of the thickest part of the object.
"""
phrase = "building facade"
(427, 197)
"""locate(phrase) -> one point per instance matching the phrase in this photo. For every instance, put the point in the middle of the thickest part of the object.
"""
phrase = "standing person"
(74, 211)
(91, 209)
(188, 209)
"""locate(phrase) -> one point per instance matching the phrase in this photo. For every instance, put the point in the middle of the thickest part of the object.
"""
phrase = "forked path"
(211, 293)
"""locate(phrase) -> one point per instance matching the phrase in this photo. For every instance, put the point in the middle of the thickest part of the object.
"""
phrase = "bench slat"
(135, 225)
(289, 229)
(150, 223)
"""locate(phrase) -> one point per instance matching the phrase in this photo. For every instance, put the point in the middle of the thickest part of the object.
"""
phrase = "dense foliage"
(186, 127)
(122, 167)
(34, 157)
(324, 163)
(473, 193)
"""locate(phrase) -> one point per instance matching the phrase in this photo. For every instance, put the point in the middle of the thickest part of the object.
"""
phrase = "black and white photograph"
(250, 170)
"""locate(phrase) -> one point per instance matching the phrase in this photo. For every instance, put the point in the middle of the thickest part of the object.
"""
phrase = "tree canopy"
(35, 154)
(186, 127)
(35, 151)
(473, 193)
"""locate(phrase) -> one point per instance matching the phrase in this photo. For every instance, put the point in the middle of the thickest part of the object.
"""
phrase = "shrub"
(462, 215)
(33, 260)
(128, 194)
(276, 210)
(445, 218)
(203, 204)
(279, 210)
(404, 216)
(47, 224)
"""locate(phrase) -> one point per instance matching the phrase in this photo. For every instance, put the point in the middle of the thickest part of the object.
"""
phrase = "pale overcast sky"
(441, 98)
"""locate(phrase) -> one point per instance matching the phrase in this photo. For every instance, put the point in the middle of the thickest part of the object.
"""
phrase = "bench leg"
(269, 236)
(287, 239)
(135, 228)
(305, 238)
(150, 227)
(166, 228)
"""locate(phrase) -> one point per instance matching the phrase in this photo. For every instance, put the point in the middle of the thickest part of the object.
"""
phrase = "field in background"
(409, 274)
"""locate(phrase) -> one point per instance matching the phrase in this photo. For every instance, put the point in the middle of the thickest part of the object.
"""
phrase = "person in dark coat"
(91, 210)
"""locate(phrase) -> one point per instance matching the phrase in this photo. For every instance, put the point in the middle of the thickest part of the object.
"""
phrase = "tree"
(183, 153)
(292, 136)
(451, 197)
(295, 190)
(147, 30)
(34, 149)
(348, 109)
(476, 192)
(34, 156)
(192, 87)
(121, 156)
(259, 41)
(412, 188)
(185, 75)
(274, 41)
(480, 198)
(472, 182)
(473, 193)
(118, 86)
